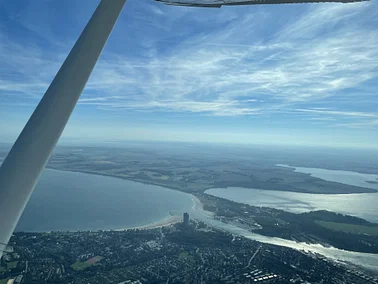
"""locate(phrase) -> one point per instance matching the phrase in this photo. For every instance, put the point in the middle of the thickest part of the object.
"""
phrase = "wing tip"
(188, 3)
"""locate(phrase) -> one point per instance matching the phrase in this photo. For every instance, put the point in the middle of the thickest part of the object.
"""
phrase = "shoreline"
(168, 221)
(198, 206)
(203, 190)
(123, 178)
(197, 203)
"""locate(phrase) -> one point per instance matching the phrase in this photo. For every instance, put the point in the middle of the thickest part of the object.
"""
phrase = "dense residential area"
(181, 253)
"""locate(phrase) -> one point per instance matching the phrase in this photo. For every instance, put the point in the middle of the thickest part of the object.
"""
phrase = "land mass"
(193, 170)
(317, 227)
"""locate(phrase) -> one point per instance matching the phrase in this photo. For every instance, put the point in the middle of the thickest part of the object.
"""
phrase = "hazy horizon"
(301, 74)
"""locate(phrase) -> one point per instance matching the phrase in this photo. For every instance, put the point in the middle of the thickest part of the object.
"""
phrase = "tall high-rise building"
(185, 220)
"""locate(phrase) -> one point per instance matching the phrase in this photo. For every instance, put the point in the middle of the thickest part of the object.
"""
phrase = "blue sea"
(77, 201)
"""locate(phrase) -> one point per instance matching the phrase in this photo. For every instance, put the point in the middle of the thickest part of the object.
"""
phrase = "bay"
(363, 205)
(345, 177)
(75, 201)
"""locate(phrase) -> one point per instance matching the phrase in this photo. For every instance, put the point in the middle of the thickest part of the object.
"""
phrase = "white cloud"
(92, 100)
(363, 124)
(321, 118)
(338, 113)
(230, 71)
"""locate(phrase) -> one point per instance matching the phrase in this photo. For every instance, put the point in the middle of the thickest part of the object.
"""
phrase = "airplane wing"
(28, 157)
(220, 3)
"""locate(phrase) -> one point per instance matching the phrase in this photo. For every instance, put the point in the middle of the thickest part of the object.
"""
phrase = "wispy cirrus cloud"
(223, 65)
(338, 113)
(244, 65)
(363, 124)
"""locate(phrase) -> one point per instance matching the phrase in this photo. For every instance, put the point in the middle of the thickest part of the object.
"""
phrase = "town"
(187, 252)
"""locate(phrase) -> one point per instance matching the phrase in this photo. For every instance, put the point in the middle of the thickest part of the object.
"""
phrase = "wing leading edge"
(26, 160)
(220, 3)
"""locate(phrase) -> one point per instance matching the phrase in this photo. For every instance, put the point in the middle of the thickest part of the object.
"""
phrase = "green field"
(4, 281)
(183, 255)
(12, 264)
(186, 257)
(81, 265)
(349, 228)
(164, 177)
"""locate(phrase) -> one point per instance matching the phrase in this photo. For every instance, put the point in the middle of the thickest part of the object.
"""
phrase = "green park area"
(9, 266)
(82, 265)
(185, 256)
(12, 264)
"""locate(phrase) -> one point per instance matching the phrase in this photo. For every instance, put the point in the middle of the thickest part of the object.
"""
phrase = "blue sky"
(278, 74)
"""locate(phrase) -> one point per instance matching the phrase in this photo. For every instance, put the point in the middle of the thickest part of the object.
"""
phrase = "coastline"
(168, 221)
(197, 206)
(197, 203)
(203, 190)
(123, 178)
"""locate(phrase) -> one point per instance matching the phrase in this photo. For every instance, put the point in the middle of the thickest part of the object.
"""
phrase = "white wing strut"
(25, 162)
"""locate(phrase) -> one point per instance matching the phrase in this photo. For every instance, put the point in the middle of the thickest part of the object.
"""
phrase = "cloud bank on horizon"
(291, 74)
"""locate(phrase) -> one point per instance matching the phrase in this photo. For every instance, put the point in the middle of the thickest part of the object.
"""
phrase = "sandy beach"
(162, 223)
(169, 220)
(197, 203)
